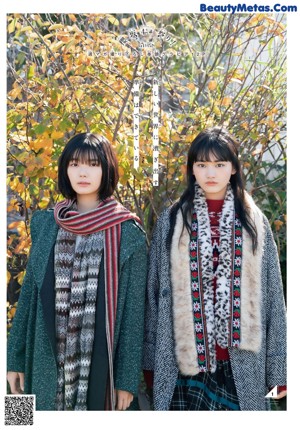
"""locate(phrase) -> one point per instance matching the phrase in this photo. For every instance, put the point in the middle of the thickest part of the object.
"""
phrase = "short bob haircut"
(87, 147)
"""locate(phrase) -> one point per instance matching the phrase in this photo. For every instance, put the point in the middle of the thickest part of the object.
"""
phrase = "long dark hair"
(216, 141)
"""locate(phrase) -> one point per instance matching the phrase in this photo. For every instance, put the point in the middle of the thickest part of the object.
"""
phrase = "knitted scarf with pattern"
(217, 311)
(77, 264)
(106, 218)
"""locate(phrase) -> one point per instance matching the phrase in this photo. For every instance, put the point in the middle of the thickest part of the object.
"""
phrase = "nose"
(82, 171)
(211, 172)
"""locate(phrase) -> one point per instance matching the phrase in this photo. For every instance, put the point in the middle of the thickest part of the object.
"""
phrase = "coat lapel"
(47, 295)
(251, 283)
(185, 344)
(41, 248)
(42, 255)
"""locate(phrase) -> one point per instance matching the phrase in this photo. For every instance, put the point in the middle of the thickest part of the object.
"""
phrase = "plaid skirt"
(206, 391)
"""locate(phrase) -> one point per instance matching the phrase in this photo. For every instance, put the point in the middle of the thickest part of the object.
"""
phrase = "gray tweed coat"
(255, 370)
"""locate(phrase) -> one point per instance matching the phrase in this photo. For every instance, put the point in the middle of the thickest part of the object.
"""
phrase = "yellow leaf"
(20, 277)
(47, 36)
(55, 46)
(56, 26)
(217, 111)
(72, 17)
(191, 86)
(57, 134)
(52, 173)
(11, 313)
(44, 64)
(113, 20)
(261, 16)
(212, 85)
(20, 188)
(79, 94)
(278, 224)
(43, 203)
(13, 205)
(16, 92)
(260, 29)
(68, 107)
(14, 224)
(11, 26)
(183, 169)
(272, 111)
(226, 101)
(256, 19)
(27, 28)
(70, 44)
(125, 21)
(31, 71)
(108, 135)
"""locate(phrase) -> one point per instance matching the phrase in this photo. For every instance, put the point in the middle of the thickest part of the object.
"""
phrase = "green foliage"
(70, 73)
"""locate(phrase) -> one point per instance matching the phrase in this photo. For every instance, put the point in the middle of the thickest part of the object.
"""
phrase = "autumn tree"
(73, 73)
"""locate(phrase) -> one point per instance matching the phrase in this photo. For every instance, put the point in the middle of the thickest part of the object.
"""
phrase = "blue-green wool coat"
(31, 343)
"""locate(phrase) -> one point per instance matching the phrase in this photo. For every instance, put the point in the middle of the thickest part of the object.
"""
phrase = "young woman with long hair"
(76, 339)
(215, 326)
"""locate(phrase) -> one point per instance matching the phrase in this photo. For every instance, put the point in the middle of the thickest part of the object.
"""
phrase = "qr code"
(19, 410)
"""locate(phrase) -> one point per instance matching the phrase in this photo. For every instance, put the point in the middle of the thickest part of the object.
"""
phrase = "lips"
(83, 183)
(211, 183)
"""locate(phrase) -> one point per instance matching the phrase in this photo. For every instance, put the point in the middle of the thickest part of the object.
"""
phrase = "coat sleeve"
(16, 346)
(151, 312)
(276, 317)
(129, 349)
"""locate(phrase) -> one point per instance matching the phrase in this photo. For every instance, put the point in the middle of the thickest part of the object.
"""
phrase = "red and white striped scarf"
(107, 216)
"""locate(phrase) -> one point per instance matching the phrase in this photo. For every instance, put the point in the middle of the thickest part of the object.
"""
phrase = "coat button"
(165, 292)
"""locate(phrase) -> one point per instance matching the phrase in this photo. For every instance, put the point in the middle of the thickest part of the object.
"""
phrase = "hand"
(16, 382)
(123, 400)
(280, 395)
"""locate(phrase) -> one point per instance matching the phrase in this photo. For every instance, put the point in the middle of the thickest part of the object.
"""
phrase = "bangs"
(86, 154)
(209, 149)
(88, 148)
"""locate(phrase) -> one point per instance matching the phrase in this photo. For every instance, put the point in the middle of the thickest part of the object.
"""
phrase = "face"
(213, 176)
(85, 177)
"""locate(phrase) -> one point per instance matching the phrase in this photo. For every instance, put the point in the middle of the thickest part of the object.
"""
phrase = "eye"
(94, 163)
(220, 165)
(73, 163)
(201, 165)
